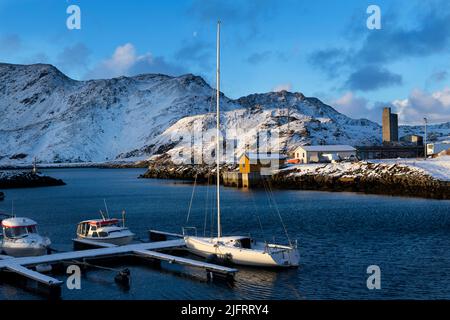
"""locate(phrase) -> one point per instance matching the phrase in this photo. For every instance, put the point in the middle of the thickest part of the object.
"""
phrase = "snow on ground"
(91, 164)
(438, 168)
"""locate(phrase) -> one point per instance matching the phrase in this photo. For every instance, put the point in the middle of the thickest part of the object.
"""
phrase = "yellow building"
(254, 162)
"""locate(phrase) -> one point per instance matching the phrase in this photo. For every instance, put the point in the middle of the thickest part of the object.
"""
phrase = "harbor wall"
(372, 179)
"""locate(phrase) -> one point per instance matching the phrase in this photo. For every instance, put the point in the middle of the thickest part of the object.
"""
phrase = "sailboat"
(240, 250)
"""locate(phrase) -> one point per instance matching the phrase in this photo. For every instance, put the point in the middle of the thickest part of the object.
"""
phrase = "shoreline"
(379, 178)
(100, 165)
(363, 177)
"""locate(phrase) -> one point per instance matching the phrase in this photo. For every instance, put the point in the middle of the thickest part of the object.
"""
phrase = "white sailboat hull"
(261, 256)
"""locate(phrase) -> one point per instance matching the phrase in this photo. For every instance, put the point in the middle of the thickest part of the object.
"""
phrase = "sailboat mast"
(219, 228)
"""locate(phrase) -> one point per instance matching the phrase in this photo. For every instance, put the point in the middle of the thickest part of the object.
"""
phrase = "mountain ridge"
(48, 115)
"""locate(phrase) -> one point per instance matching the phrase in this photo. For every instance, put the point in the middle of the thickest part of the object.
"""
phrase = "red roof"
(101, 223)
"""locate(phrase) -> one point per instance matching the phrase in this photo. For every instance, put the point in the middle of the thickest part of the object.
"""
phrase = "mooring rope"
(271, 199)
(192, 198)
(257, 216)
(206, 208)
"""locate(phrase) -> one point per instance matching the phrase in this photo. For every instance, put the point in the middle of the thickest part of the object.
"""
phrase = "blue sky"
(321, 48)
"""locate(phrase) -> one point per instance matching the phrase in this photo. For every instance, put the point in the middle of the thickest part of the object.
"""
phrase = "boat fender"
(43, 268)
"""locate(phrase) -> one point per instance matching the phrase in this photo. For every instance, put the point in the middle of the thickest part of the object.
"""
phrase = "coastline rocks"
(385, 179)
(11, 179)
(180, 172)
(2, 196)
(372, 178)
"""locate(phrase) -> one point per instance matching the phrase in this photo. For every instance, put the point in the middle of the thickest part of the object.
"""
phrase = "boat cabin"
(14, 228)
(96, 228)
(241, 242)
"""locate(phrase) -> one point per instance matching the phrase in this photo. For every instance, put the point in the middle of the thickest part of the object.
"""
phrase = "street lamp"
(425, 139)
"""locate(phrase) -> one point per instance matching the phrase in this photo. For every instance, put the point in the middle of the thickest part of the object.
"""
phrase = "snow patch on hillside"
(56, 119)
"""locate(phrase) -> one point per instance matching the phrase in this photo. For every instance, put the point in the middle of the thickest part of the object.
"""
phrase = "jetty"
(26, 266)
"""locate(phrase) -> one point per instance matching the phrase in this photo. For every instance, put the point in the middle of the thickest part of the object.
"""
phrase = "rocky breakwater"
(13, 179)
(377, 178)
(157, 170)
(162, 169)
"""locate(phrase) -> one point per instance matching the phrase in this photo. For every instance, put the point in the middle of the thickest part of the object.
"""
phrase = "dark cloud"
(74, 56)
(196, 52)
(243, 18)
(262, 56)
(329, 60)
(237, 11)
(429, 35)
(372, 78)
(10, 43)
(432, 36)
(259, 57)
(438, 76)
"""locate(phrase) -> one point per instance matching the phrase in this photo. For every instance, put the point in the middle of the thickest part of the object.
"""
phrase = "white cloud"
(435, 106)
(356, 107)
(419, 104)
(282, 87)
(126, 62)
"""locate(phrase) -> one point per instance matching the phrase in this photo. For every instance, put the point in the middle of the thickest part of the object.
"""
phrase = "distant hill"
(47, 115)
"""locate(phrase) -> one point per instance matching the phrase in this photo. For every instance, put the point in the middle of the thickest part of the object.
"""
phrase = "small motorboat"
(21, 238)
(105, 230)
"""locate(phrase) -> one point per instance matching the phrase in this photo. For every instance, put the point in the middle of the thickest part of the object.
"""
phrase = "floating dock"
(21, 266)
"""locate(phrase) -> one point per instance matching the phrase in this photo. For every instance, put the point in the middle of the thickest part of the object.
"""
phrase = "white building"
(325, 153)
(435, 148)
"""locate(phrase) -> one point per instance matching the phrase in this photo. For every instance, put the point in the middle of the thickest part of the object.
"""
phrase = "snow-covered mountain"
(292, 119)
(57, 119)
(47, 115)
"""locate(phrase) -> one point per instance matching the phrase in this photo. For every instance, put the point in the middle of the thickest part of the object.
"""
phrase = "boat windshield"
(111, 224)
(17, 232)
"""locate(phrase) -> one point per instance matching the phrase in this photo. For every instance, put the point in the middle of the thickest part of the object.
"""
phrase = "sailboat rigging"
(237, 249)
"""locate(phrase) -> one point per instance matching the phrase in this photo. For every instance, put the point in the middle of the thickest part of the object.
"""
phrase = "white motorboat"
(238, 249)
(105, 230)
(21, 238)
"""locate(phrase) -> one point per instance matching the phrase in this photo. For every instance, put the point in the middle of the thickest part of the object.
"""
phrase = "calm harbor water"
(339, 236)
